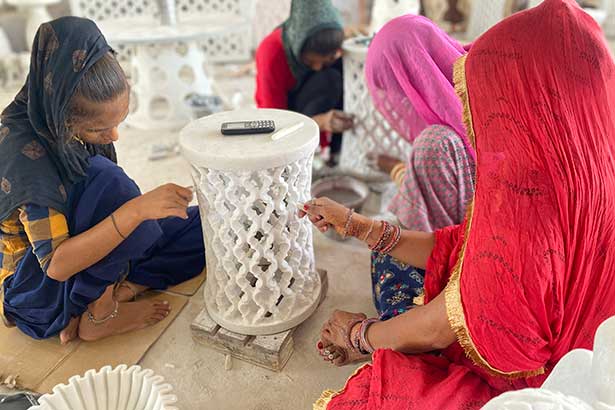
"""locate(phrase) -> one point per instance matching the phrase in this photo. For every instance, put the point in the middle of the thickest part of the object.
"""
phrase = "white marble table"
(36, 12)
(261, 277)
(167, 66)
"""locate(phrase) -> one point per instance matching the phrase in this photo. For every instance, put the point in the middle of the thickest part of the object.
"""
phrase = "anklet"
(112, 315)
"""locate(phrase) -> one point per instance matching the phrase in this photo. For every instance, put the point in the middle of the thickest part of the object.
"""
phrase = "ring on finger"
(331, 357)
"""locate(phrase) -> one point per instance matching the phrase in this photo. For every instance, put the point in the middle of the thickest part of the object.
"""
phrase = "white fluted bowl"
(121, 388)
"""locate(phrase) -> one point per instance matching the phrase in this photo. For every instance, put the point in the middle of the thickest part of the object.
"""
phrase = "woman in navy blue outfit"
(78, 241)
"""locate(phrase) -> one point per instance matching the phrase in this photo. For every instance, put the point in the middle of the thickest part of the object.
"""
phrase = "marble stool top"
(204, 145)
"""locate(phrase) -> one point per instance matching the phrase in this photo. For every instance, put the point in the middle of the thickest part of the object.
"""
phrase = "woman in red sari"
(530, 274)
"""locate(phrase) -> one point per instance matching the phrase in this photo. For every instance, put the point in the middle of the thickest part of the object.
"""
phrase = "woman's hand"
(337, 330)
(334, 121)
(382, 163)
(327, 214)
(164, 201)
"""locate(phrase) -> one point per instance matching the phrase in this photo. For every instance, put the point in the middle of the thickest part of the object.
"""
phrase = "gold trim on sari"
(454, 306)
(328, 395)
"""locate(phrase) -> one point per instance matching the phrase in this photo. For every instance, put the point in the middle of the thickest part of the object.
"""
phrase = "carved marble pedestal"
(372, 133)
(582, 380)
(261, 277)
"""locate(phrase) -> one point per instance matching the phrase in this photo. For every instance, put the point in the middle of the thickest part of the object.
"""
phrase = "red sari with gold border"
(530, 274)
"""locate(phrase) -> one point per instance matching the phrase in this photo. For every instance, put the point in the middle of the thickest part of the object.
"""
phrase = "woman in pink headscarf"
(409, 73)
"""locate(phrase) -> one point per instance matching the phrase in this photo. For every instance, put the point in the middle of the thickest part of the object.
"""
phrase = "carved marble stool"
(372, 133)
(582, 380)
(168, 66)
(261, 277)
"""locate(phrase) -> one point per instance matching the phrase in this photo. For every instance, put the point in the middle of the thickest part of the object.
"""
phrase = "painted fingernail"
(320, 345)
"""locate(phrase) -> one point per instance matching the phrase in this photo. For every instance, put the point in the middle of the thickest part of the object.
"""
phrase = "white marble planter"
(261, 277)
(582, 380)
(121, 388)
(372, 133)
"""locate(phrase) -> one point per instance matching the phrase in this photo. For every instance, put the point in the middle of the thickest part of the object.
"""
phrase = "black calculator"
(248, 127)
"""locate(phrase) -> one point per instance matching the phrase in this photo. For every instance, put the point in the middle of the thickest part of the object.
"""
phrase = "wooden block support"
(271, 351)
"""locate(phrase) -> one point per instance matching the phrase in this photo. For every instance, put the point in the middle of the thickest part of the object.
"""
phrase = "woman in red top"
(299, 68)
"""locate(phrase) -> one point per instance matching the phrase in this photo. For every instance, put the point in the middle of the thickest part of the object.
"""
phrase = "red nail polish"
(320, 345)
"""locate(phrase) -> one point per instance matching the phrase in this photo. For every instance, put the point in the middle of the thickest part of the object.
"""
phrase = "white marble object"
(230, 24)
(609, 24)
(485, 14)
(385, 10)
(267, 16)
(167, 67)
(261, 277)
(582, 380)
(599, 14)
(37, 14)
(372, 133)
(120, 388)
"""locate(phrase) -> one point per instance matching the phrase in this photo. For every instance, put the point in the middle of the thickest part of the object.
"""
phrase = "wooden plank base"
(271, 352)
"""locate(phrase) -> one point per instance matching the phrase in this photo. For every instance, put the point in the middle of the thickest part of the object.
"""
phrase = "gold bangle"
(369, 232)
(397, 169)
(399, 177)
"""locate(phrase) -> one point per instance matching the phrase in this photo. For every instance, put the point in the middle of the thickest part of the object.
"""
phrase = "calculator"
(248, 127)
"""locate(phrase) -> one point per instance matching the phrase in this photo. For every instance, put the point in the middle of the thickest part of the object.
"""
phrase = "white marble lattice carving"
(267, 16)
(228, 20)
(232, 40)
(261, 277)
(485, 14)
(100, 10)
(582, 380)
(385, 10)
(372, 133)
(163, 77)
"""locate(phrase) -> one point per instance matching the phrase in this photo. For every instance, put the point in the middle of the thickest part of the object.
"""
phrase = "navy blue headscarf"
(39, 160)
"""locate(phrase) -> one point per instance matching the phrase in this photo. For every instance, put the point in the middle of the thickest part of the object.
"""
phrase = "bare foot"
(70, 332)
(130, 316)
(340, 356)
(128, 291)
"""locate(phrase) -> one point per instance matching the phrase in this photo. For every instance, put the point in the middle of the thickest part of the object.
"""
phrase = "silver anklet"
(112, 315)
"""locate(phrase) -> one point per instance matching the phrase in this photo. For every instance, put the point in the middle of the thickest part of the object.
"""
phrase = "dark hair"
(103, 82)
(324, 42)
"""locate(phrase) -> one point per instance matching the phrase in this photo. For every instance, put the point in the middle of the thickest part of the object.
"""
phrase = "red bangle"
(394, 240)
(383, 237)
(366, 347)
(349, 342)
